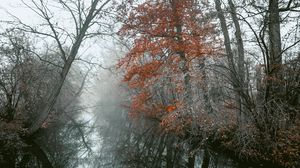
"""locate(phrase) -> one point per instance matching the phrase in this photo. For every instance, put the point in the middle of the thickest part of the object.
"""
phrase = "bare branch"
(93, 11)
(93, 63)
(289, 47)
(41, 59)
(79, 130)
(73, 15)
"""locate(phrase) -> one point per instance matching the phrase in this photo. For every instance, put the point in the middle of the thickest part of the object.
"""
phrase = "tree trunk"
(184, 66)
(274, 36)
(275, 57)
(260, 90)
(157, 159)
(232, 70)
(169, 157)
(191, 161)
(206, 99)
(241, 59)
(39, 153)
(206, 159)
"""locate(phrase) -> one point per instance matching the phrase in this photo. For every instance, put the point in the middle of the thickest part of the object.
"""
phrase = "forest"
(150, 84)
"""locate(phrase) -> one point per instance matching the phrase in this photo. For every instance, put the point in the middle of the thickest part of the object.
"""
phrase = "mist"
(149, 84)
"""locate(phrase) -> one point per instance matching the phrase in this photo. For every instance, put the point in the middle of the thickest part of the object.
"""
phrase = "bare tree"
(84, 18)
(22, 83)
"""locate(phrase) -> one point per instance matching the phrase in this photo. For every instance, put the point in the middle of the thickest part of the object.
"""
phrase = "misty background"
(167, 83)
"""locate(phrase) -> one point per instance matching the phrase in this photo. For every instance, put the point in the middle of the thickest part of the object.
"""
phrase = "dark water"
(218, 160)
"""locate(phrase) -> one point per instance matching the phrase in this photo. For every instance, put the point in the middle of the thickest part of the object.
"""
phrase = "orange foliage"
(152, 26)
(138, 104)
(136, 75)
(171, 108)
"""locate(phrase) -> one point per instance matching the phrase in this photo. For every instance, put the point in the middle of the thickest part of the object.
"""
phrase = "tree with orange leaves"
(167, 36)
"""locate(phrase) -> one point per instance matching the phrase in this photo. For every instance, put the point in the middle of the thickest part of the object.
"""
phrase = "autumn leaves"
(167, 38)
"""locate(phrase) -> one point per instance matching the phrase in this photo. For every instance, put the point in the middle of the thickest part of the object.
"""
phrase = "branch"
(93, 63)
(290, 47)
(43, 60)
(73, 15)
(81, 132)
(42, 12)
(255, 34)
(77, 94)
(289, 7)
(100, 8)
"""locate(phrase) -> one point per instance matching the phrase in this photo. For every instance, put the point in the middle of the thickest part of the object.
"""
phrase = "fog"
(149, 84)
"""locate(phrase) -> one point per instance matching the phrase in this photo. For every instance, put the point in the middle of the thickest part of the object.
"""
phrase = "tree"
(83, 19)
(169, 38)
(34, 85)
(165, 44)
(265, 21)
(26, 81)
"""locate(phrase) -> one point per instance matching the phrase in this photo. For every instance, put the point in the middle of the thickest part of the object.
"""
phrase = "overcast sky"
(16, 8)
